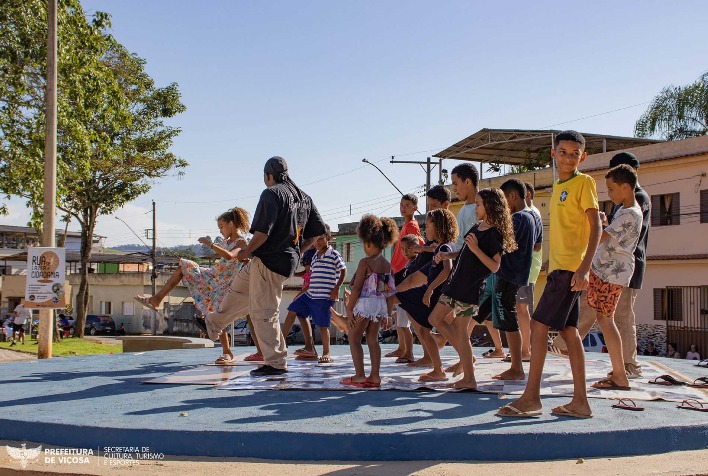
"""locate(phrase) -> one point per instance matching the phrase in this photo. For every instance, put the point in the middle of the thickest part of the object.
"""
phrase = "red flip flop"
(692, 404)
(627, 404)
(348, 382)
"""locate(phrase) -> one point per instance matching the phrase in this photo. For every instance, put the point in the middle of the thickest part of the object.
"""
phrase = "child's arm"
(300, 274)
(425, 249)
(443, 255)
(223, 252)
(356, 288)
(582, 274)
(334, 294)
(442, 277)
(492, 263)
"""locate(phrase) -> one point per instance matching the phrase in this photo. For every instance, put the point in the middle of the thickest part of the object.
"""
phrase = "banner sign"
(46, 269)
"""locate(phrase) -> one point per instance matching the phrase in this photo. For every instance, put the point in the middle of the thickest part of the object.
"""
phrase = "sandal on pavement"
(692, 404)
(308, 357)
(325, 359)
(561, 410)
(667, 380)
(256, 357)
(513, 412)
(700, 382)
(350, 383)
(403, 360)
(224, 359)
(627, 404)
(608, 384)
(702, 363)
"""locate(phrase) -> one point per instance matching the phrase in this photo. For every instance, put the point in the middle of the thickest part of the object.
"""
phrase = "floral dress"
(372, 300)
(208, 286)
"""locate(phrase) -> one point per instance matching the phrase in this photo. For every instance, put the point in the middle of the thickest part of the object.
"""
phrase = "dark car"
(99, 324)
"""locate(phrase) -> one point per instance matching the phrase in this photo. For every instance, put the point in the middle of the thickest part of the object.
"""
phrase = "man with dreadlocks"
(285, 224)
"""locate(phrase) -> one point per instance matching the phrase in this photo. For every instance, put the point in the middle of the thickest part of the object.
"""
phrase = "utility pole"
(153, 276)
(386, 177)
(46, 324)
(429, 166)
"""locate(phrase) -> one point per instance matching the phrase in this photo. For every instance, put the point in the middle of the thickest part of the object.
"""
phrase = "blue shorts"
(304, 306)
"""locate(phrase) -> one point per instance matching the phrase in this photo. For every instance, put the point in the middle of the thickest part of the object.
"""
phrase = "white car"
(594, 342)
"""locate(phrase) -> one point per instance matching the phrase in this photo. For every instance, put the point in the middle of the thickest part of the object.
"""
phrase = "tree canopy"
(112, 140)
(677, 112)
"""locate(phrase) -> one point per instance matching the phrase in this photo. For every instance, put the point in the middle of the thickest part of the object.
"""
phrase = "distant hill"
(186, 251)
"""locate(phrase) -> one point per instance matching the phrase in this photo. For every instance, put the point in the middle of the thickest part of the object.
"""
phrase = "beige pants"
(254, 290)
(624, 320)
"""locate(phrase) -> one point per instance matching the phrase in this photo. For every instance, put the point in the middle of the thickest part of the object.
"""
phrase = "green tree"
(677, 112)
(112, 142)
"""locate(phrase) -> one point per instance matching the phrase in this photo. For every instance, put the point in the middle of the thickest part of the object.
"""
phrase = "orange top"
(398, 261)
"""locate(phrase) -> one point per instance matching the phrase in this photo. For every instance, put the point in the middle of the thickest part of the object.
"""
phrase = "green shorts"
(462, 309)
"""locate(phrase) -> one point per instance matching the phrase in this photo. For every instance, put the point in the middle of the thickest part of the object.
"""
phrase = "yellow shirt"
(570, 228)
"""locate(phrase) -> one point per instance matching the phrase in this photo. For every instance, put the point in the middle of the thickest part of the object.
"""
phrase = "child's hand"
(347, 293)
(579, 281)
(472, 244)
(386, 323)
(205, 241)
(603, 219)
(426, 297)
(334, 294)
(441, 256)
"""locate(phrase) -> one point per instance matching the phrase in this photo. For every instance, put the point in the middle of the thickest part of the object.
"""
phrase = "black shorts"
(558, 307)
(18, 327)
(503, 314)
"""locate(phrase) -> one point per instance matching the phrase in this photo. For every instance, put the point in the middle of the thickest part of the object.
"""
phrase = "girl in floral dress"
(209, 285)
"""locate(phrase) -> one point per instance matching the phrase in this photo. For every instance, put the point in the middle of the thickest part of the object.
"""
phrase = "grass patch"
(68, 347)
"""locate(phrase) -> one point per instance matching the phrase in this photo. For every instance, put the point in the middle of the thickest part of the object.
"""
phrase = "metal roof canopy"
(514, 146)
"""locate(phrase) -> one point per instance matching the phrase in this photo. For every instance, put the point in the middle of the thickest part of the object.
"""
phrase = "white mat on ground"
(557, 379)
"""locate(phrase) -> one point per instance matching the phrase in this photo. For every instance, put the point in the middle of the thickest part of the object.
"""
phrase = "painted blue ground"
(98, 401)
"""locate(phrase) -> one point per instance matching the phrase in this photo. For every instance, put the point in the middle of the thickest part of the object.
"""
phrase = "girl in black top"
(441, 227)
(484, 244)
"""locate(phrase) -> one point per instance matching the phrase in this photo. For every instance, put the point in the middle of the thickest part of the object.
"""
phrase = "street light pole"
(46, 324)
(389, 180)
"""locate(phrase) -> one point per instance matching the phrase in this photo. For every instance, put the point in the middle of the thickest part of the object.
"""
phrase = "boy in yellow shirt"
(575, 234)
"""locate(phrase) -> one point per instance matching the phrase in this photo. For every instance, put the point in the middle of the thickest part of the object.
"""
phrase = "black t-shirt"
(423, 259)
(640, 252)
(516, 266)
(287, 218)
(468, 272)
(434, 269)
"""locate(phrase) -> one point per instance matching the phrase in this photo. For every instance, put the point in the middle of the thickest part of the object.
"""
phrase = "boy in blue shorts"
(575, 234)
(328, 272)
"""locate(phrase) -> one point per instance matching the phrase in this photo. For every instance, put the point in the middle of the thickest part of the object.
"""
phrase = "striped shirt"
(325, 271)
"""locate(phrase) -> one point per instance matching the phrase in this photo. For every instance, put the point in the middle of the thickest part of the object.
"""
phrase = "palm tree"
(677, 112)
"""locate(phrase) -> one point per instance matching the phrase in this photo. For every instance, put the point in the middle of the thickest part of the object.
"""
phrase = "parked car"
(242, 335)
(594, 342)
(95, 324)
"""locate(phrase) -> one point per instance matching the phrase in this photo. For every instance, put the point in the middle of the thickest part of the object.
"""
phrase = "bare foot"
(374, 380)
(526, 405)
(464, 383)
(574, 409)
(456, 369)
(510, 375)
(433, 376)
(395, 353)
(421, 363)
(494, 354)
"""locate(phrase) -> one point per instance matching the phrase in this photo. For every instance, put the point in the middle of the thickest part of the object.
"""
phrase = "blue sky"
(327, 83)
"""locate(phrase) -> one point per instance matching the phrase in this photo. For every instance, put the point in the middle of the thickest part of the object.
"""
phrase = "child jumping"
(613, 266)
(208, 286)
(575, 233)
(327, 275)
(371, 301)
(484, 244)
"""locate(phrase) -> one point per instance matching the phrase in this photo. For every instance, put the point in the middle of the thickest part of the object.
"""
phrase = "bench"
(146, 343)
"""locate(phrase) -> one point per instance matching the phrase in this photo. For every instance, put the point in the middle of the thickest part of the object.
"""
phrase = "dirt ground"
(679, 463)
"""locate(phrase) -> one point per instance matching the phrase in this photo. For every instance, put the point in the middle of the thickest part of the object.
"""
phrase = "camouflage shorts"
(462, 309)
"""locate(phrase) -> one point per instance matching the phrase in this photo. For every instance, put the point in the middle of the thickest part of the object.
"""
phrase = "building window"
(106, 307)
(5, 270)
(348, 252)
(704, 206)
(128, 308)
(667, 304)
(666, 209)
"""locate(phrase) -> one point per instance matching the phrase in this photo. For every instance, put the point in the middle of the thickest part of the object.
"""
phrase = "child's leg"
(407, 343)
(614, 347)
(576, 353)
(429, 345)
(524, 316)
(324, 331)
(399, 350)
(530, 400)
(338, 320)
(169, 286)
(253, 335)
(372, 340)
(307, 334)
(426, 360)
(225, 347)
(516, 372)
(357, 350)
(288, 324)
(496, 338)
(463, 345)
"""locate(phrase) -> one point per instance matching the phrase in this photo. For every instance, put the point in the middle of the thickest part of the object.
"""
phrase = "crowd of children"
(476, 268)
